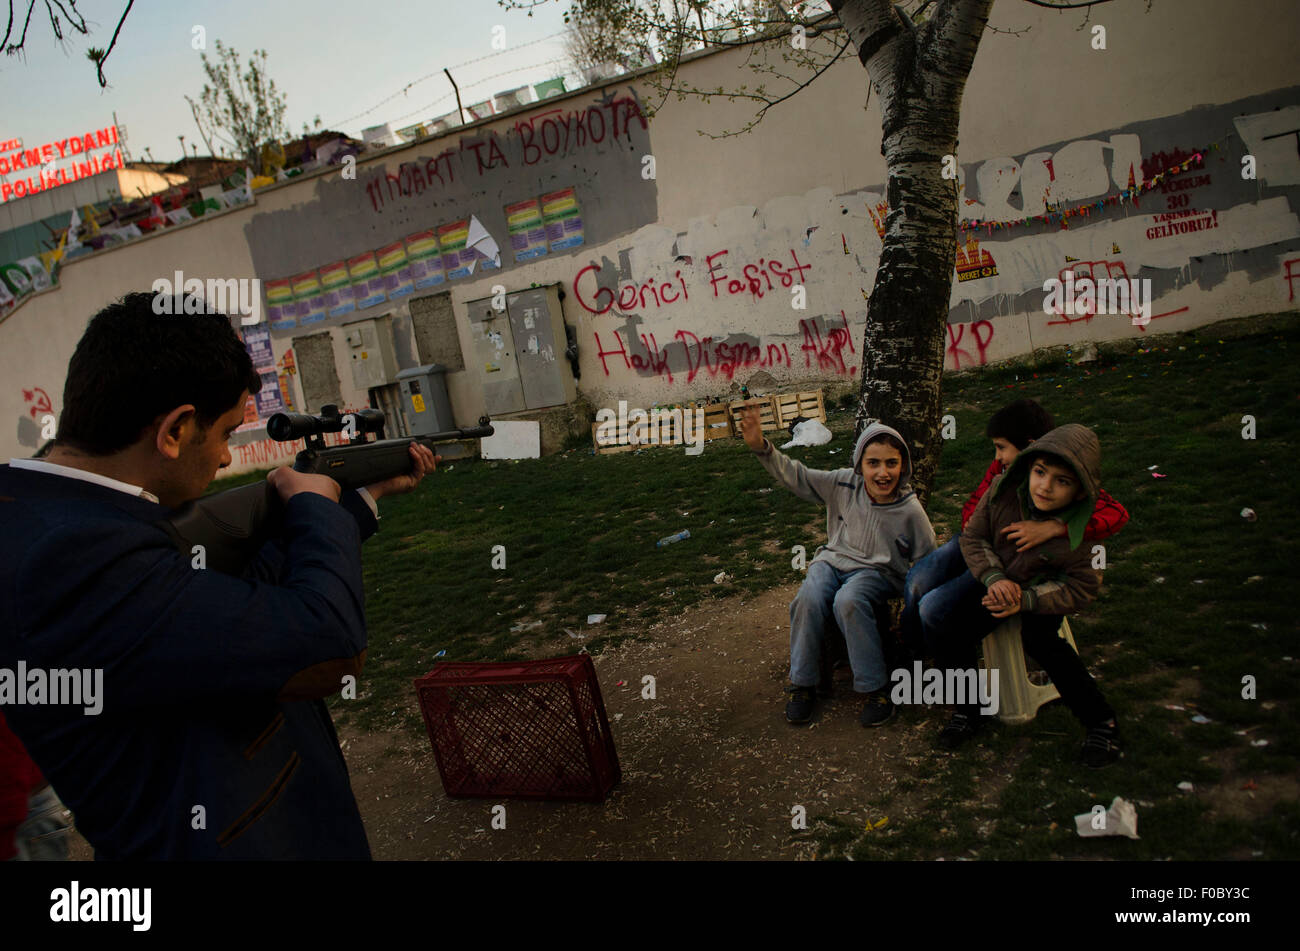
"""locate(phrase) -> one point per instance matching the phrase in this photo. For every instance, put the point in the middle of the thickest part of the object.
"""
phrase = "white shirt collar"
(40, 465)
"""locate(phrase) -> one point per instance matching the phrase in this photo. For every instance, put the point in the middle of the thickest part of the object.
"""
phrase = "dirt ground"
(711, 770)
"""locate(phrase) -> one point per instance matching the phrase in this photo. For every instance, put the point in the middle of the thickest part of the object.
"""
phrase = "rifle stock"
(232, 526)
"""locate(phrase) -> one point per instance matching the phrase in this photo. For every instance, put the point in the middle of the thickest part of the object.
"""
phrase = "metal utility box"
(424, 399)
(369, 347)
(519, 349)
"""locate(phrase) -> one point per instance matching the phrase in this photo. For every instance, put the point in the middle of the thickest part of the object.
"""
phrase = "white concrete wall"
(803, 186)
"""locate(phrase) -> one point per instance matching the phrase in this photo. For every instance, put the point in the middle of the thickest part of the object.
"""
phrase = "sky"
(353, 63)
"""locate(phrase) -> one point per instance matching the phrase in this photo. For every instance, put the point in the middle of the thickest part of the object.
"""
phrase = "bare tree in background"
(62, 14)
(598, 36)
(241, 107)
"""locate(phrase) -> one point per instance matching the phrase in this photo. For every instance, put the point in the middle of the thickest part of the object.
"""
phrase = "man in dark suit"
(211, 738)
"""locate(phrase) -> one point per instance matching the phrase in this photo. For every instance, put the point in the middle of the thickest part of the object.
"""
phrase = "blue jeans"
(950, 607)
(43, 836)
(850, 599)
(942, 565)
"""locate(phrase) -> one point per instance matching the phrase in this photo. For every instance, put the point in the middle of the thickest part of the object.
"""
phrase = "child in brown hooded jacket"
(1055, 477)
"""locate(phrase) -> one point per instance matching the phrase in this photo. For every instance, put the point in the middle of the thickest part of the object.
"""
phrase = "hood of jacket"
(1079, 447)
(873, 430)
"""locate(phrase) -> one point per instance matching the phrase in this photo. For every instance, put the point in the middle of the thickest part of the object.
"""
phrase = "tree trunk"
(919, 75)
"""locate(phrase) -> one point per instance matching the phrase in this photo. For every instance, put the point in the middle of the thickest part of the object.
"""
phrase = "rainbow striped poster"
(527, 233)
(337, 285)
(456, 256)
(563, 222)
(395, 270)
(367, 283)
(309, 298)
(280, 309)
(426, 260)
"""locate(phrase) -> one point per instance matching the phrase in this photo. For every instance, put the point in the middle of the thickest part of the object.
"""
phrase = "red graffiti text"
(981, 332)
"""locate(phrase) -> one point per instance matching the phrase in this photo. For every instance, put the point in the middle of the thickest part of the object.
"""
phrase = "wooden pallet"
(717, 421)
(790, 406)
(766, 413)
(667, 430)
(623, 446)
(722, 420)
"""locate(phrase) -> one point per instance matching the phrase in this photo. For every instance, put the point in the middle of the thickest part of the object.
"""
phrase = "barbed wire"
(438, 72)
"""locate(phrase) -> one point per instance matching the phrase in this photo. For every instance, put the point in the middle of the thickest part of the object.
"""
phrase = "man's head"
(155, 396)
(882, 466)
(1053, 483)
(1015, 426)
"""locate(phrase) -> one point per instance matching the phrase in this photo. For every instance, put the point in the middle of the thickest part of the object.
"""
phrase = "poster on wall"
(425, 259)
(309, 298)
(564, 227)
(337, 286)
(487, 253)
(268, 398)
(367, 283)
(456, 254)
(527, 232)
(280, 309)
(257, 341)
(396, 270)
(286, 396)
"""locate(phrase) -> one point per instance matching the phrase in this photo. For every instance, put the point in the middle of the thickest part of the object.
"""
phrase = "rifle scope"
(285, 427)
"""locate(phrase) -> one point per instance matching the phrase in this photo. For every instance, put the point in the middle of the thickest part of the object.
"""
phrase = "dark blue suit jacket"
(195, 755)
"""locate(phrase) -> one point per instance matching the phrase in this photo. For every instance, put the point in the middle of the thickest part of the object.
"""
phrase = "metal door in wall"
(536, 350)
(494, 352)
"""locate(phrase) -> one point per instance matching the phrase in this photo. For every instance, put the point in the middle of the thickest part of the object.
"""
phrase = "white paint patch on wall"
(1272, 137)
(1024, 263)
(1084, 169)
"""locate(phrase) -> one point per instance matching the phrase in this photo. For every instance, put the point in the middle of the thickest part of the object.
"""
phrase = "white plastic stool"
(1018, 698)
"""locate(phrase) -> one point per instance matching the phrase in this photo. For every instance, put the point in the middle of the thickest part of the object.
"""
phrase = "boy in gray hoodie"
(875, 528)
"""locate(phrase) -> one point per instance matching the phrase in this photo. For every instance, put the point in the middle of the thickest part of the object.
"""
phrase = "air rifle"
(232, 526)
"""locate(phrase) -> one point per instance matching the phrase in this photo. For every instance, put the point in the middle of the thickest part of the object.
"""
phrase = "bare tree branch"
(63, 16)
(102, 81)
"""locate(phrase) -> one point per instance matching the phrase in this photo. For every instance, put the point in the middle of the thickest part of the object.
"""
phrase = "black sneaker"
(878, 709)
(800, 706)
(1101, 747)
(963, 725)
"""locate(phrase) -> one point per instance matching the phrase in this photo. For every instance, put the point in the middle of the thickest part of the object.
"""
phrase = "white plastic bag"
(811, 432)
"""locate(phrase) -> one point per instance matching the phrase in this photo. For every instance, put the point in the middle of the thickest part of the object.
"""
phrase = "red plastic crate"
(532, 730)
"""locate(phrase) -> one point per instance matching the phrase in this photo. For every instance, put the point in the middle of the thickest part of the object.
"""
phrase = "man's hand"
(423, 461)
(289, 483)
(751, 427)
(1029, 534)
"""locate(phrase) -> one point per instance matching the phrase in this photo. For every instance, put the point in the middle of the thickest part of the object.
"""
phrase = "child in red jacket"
(1011, 428)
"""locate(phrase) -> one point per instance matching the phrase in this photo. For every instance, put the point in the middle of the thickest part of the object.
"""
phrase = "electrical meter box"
(424, 399)
(369, 348)
(519, 344)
